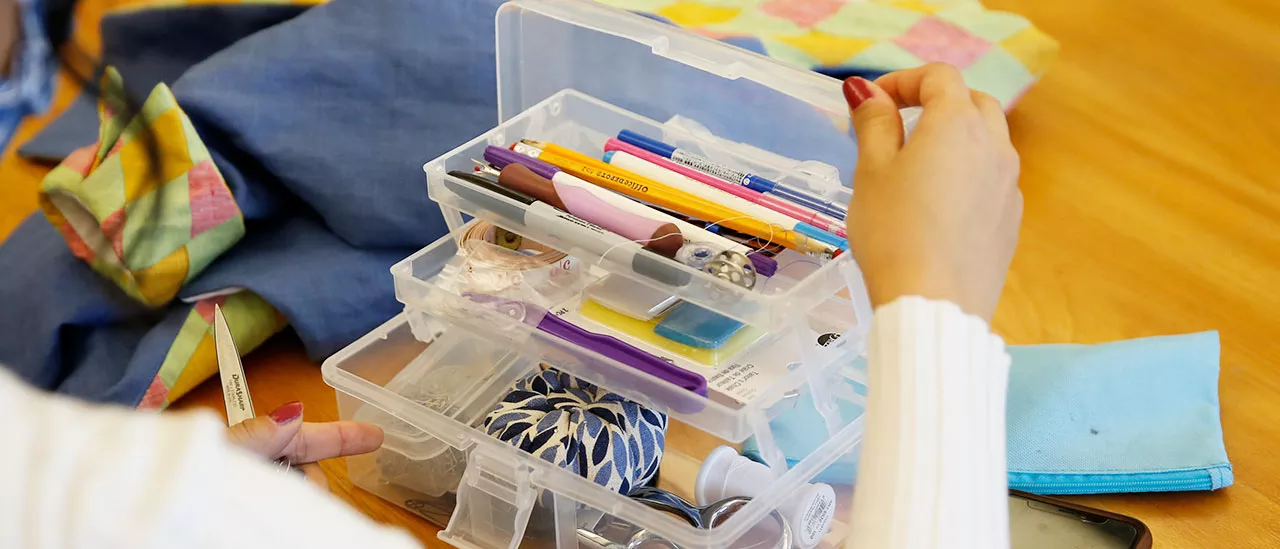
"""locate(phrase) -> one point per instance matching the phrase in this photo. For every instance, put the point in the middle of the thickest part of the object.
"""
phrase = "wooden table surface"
(1151, 163)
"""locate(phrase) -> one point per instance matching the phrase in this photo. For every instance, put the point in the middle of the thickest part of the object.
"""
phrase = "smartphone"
(1038, 522)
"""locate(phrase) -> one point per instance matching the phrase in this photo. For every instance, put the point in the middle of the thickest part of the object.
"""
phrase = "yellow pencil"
(664, 196)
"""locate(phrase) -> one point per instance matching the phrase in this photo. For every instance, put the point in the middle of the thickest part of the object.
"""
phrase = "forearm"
(76, 475)
(932, 472)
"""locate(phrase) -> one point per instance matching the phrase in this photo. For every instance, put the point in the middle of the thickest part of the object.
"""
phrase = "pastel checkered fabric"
(147, 222)
(150, 224)
(999, 53)
(193, 359)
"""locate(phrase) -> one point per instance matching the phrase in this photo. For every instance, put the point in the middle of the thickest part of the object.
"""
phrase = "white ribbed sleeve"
(932, 472)
(78, 476)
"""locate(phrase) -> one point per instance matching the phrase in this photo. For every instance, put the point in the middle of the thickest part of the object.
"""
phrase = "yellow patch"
(921, 6)
(694, 14)
(172, 154)
(828, 49)
(1035, 49)
(201, 366)
(160, 282)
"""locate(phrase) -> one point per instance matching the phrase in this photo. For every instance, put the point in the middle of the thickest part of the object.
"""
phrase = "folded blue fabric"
(1129, 416)
(148, 47)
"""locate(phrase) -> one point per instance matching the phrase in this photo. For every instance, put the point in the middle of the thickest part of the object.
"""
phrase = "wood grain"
(1150, 160)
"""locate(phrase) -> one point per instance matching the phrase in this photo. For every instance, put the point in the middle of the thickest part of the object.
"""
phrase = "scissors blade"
(235, 392)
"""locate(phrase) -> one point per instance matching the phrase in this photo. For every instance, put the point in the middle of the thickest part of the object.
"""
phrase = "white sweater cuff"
(932, 471)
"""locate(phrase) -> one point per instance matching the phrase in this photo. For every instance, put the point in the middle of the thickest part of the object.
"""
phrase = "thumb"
(268, 435)
(875, 121)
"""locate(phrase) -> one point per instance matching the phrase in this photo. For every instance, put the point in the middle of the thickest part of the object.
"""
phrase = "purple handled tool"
(500, 157)
(607, 346)
(618, 350)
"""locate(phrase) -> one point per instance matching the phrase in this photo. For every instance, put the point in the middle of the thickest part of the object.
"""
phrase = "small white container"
(809, 510)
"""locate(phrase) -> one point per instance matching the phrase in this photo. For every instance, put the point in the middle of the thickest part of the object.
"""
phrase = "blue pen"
(738, 177)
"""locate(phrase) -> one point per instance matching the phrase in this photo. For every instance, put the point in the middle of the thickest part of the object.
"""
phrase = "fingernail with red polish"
(857, 90)
(286, 414)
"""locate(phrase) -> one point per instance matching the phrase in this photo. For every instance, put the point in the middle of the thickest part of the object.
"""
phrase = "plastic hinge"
(861, 300)
(731, 70)
(494, 502)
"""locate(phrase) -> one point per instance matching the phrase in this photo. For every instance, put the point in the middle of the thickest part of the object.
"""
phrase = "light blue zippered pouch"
(1130, 416)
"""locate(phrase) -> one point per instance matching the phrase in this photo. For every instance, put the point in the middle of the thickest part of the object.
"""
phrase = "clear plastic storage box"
(575, 73)
(438, 463)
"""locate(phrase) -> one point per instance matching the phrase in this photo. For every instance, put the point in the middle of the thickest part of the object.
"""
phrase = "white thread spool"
(726, 474)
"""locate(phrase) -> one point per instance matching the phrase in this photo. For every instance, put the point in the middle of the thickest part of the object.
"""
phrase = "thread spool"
(734, 267)
(500, 262)
(725, 474)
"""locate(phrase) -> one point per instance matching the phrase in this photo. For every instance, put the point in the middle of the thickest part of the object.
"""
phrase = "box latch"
(495, 500)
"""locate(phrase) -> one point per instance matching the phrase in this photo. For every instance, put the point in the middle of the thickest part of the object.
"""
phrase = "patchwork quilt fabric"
(148, 222)
(998, 52)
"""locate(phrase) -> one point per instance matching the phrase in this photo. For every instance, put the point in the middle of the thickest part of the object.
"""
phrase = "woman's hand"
(938, 217)
(283, 435)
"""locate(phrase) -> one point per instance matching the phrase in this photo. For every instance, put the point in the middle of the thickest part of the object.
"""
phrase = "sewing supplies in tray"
(703, 282)
(603, 207)
(661, 212)
(660, 218)
(726, 231)
(590, 301)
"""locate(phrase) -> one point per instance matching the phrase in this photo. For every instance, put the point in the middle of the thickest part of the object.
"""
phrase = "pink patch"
(935, 40)
(81, 160)
(156, 395)
(211, 200)
(714, 34)
(805, 13)
(205, 307)
(113, 229)
(78, 247)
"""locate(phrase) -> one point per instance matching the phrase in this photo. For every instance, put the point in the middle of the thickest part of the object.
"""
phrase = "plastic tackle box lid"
(667, 74)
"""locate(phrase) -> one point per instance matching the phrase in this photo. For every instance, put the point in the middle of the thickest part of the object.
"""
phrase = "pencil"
(664, 196)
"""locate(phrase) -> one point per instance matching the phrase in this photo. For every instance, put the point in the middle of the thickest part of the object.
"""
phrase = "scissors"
(235, 391)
